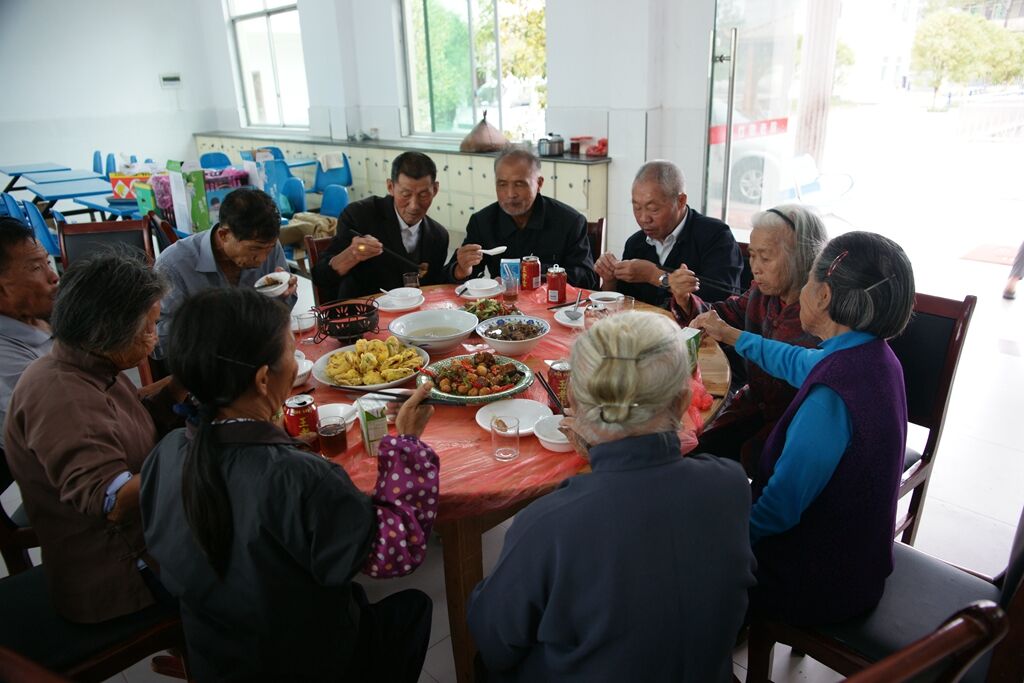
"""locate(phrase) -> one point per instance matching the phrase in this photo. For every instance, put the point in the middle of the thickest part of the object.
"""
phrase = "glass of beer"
(333, 436)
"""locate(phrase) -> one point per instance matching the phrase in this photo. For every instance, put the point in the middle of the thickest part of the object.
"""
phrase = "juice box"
(373, 422)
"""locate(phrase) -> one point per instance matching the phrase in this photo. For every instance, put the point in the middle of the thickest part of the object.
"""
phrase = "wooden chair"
(17, 669)
(314, 247)
(595, 233)
(16, 535)
(920, 594)
(946, 653)
(162, 231)
(79, 239)
(929, 351)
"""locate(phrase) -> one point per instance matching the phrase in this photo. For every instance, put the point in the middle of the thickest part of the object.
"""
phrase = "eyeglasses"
(835, 264)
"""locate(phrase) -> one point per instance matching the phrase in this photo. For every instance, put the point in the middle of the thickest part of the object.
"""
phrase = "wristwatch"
(663, 280)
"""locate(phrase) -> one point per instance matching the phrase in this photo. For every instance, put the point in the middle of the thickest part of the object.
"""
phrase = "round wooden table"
(478, 492)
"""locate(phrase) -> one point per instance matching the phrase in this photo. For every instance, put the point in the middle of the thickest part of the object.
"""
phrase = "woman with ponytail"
(638, 570)
(828, 479)
(260, 540)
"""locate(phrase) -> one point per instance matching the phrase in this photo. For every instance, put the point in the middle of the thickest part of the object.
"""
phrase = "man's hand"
(361, 249)
(605, 267)
(293, 283)
(716, 327)
(683, 282)
(638, 271)
(467, 257)
(412, 417)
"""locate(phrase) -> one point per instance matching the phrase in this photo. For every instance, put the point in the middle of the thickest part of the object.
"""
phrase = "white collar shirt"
(664, 248)
(410, 233)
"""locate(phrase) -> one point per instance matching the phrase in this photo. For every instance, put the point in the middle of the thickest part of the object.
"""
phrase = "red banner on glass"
(750, 129)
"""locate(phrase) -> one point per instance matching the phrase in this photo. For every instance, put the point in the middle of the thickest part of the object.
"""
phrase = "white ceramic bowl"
(481, 284)
(438, 330)
(277, 290)
(345, 410)
(605, 297)
(404, 294)
(546, 431)
(305, 369)
(512, 348)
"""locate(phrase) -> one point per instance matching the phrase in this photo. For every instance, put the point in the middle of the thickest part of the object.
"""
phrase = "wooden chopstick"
(398, 256)
(719, 284)
(551, 392)
(400, 398)
(582, 301)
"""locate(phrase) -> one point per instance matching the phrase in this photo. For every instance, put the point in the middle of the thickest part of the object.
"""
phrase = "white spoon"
(493, 252)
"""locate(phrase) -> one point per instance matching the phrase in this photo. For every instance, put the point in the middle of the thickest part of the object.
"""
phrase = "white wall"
(85, 77)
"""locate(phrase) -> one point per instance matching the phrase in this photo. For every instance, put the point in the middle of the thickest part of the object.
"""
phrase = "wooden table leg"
(463, 570)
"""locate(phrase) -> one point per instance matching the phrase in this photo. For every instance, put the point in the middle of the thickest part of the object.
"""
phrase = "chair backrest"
(15, 540)
(335, 176)
(747, 276)
(334, 202)
(595, 233)
(274, 152)
(314, 247)
(41, 230)
(162, 231)
(111, 164)
(12, 207)
(214, 160)
(80, 239)
(946, 653)
(246, 155)
(97, 162)
(295, 192)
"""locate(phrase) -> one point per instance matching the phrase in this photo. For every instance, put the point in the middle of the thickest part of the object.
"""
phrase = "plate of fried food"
(370, 364)
(485, 309)
(477, 378)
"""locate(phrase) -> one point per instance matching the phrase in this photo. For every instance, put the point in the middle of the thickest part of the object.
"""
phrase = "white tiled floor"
(975, 497)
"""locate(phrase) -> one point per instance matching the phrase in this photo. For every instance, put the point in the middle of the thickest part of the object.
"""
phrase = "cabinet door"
(483, 176)
(440, 208)
(550, 175)
(460, 173)
(441, 161)
(461, 210)
(573, 186)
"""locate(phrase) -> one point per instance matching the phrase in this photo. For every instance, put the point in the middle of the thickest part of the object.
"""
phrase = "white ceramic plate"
(390, 304)
(528, 412)
(562, 319)
(345, 410)
(305, 367)
(320, 370)
(481, 294)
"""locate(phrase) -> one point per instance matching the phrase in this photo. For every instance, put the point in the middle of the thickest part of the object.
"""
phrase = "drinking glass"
(333, 436)
(626, 304)
(411, 280)
(510, 285)
(304, 322)
(505, 437)
(593, 313)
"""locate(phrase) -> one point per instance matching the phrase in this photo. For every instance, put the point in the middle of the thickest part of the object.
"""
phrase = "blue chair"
(133, 158)
(246, 155)
(216, 160)
(111, 165)
(277, 174)
(97, 162)
(12, 207)
(275, 152)
(335, 201)
(42, 231)
(335, 176)
(295, 193)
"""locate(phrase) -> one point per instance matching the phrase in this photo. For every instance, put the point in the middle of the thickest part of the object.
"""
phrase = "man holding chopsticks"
(671, 235)
(380, 239)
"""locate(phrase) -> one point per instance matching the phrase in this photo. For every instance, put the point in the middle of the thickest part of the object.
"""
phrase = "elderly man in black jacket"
(356, 266)
(672, 235)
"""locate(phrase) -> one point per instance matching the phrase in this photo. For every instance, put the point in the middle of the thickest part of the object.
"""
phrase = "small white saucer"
(562, 319)
(390, 304)
(481, 294)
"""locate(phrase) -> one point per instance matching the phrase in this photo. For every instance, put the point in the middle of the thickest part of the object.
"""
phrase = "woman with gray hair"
(783, 245)
(638, 570)
(827, 483)
(78, 431)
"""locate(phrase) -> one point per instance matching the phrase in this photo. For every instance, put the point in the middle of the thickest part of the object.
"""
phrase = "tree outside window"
(468, 57)
(268, 50)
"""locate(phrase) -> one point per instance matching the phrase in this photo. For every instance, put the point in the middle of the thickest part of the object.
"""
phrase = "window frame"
(266, 14)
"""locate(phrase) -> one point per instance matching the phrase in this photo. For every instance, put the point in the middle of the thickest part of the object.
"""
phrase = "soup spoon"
(493, 252)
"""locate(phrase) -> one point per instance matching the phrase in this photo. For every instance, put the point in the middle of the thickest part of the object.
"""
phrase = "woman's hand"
(412, 417)
(568, 427)
(718, 329)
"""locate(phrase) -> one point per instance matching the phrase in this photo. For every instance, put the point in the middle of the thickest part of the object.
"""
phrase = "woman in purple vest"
(828, 478)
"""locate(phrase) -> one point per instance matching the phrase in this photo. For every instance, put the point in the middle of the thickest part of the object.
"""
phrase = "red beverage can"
(556, 284)
(300, 419)
(529, 269)
(558, 378)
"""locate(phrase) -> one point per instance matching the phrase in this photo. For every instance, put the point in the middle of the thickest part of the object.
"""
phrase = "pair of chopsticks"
(553, 308)
(729, 287)
(551, 393)
(398, 256)
(401, 398)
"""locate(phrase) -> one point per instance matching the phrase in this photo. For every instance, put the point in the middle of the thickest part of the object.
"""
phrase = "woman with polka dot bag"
(260, 541)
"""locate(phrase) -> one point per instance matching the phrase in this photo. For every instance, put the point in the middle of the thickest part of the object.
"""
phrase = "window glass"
(284, 28)
(257, 71)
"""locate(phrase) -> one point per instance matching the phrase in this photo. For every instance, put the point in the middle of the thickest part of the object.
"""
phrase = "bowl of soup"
(438, 330)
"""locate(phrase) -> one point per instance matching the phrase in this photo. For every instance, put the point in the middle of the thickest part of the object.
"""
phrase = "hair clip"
(236, 362)
(632, 358)
(835, 263)
(605, 405)
(880, 282)
(783, 217)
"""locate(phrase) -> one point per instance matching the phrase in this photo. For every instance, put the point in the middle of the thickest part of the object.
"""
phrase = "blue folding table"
(125, 210)
(60, 176)
(51, 193)
(15, 171)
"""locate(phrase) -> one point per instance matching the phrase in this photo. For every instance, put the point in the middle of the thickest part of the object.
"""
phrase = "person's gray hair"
(630, 375)
(667, 175)
(518, 153)
(872, 283)
(103, 300)
(809, 236)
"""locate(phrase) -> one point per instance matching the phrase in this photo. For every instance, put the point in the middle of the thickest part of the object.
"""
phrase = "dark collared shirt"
(555, 232)
(20, 344)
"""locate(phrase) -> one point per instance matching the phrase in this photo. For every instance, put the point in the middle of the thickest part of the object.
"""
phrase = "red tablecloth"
(472, 481)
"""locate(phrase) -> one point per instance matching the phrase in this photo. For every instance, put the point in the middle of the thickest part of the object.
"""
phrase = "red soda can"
(558, 378)
(529, 269)
(556, 284)
(300, 419)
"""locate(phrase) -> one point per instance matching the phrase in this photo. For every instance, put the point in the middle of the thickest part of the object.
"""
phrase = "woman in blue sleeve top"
(827, 482)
